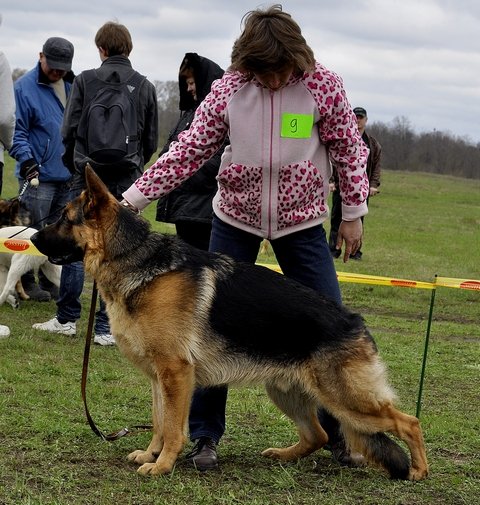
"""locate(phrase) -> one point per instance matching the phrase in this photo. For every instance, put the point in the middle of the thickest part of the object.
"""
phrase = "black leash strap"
(88, 340)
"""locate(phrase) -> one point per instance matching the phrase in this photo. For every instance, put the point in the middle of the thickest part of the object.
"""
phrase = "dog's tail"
(381, 450)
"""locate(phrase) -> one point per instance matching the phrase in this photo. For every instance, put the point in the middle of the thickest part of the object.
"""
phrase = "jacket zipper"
(269, 210)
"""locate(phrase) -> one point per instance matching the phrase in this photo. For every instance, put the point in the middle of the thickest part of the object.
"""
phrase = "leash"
(88, 339)
(124, 431)
(19, 198)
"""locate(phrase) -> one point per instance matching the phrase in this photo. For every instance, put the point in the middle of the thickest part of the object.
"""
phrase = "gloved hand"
(29, 170)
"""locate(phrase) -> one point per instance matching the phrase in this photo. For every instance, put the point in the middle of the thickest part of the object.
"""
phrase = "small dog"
(187, 317)
(14, 265)
(13, 213)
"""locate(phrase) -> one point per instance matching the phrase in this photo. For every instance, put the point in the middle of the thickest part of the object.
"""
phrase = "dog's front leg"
(176, 381)
(153, 450)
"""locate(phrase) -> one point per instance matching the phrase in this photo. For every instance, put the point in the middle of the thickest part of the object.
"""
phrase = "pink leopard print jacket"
(273, 179)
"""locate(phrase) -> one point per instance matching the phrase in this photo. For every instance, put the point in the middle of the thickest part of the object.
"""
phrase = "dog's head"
(84, 226)
(13, 213)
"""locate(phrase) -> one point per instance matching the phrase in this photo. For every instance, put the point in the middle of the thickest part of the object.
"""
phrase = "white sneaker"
(53, 326)
(4, 331)
(104, 339)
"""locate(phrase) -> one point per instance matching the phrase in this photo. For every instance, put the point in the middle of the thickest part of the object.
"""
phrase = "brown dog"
(187, 317)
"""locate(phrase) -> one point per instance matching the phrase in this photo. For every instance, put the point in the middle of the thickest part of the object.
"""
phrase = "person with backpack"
(111, 122)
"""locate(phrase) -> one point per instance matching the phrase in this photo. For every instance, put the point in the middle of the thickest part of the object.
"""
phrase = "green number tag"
(297, 126)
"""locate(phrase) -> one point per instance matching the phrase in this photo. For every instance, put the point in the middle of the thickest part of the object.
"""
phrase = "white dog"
(14, 265)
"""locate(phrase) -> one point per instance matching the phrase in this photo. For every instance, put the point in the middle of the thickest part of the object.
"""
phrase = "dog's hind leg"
(365, 432)
(302, 409)
(177, 381)
(21, 292)
(153, 450)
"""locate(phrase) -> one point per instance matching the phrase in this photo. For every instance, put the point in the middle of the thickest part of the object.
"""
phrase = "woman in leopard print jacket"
(286, 116)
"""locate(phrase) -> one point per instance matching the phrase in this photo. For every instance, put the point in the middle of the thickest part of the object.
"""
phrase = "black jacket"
(113, 69)
(192, 201)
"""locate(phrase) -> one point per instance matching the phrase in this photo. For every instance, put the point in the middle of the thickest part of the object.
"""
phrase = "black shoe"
(204, 454)
(342, 455)
(36, 293)
(357, 256)
(53, 290)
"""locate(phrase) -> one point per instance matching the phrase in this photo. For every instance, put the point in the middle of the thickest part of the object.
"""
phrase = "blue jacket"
(39, 116)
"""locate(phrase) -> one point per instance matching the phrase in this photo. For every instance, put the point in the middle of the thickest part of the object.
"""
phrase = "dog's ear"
(14, 207)
(97, 193)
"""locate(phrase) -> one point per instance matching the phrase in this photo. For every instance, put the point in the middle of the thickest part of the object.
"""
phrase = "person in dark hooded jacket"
(189, 206)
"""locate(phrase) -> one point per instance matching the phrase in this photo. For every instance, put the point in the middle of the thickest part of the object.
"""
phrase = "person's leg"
(103, 335)
(37, 201)
(305, 256)
(207, 411)
(73, 275)
(72, 279)
(71, 286)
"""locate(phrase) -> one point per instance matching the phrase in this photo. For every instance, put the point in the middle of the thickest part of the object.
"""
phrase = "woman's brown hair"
(271, 40)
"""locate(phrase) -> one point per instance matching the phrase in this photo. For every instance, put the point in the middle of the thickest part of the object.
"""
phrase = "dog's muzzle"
(66, 259)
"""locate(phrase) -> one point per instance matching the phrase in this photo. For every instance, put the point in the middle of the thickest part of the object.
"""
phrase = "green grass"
(419, 226)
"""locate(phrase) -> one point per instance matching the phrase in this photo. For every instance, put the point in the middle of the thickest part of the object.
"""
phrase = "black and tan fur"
(12, 213)
(186, 317)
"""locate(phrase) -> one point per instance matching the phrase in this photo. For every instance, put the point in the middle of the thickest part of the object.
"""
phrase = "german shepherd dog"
(187, 317)
(12, 213)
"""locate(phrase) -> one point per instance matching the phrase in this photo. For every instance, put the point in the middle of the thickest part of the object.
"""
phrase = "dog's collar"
(129, 206)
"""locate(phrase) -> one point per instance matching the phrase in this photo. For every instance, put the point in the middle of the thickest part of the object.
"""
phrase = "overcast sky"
(414, 58)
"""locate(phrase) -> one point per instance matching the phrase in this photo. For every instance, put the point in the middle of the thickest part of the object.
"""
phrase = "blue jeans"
(303, 256)
(69, 306)
(45, 202)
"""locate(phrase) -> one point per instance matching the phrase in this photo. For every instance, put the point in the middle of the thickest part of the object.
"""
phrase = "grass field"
(420, 225)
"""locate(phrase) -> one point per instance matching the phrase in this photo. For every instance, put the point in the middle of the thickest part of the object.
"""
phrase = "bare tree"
(17, 73)
(168, 112)
(435, 152)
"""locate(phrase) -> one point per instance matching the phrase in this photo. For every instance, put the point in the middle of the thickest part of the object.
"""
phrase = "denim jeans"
(303, 256)
(45, 202)
(69, 306)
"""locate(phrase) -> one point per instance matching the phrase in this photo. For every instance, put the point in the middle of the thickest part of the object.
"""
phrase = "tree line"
(435, 152)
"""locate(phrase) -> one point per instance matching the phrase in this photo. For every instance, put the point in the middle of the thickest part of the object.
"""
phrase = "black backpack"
(108, 126)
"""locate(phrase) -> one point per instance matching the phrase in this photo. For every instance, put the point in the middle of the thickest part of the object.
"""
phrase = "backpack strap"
(136, 80)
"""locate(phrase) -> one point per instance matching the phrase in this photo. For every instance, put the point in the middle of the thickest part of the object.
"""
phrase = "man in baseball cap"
(58, 53)
(373, 174)
(360, 112)
(40, 96)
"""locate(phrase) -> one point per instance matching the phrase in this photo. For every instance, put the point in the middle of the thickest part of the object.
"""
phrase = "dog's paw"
(141, 457)
(282, 453)
(273, 453)
(13, 301)
(154, 469)
(418, 473)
